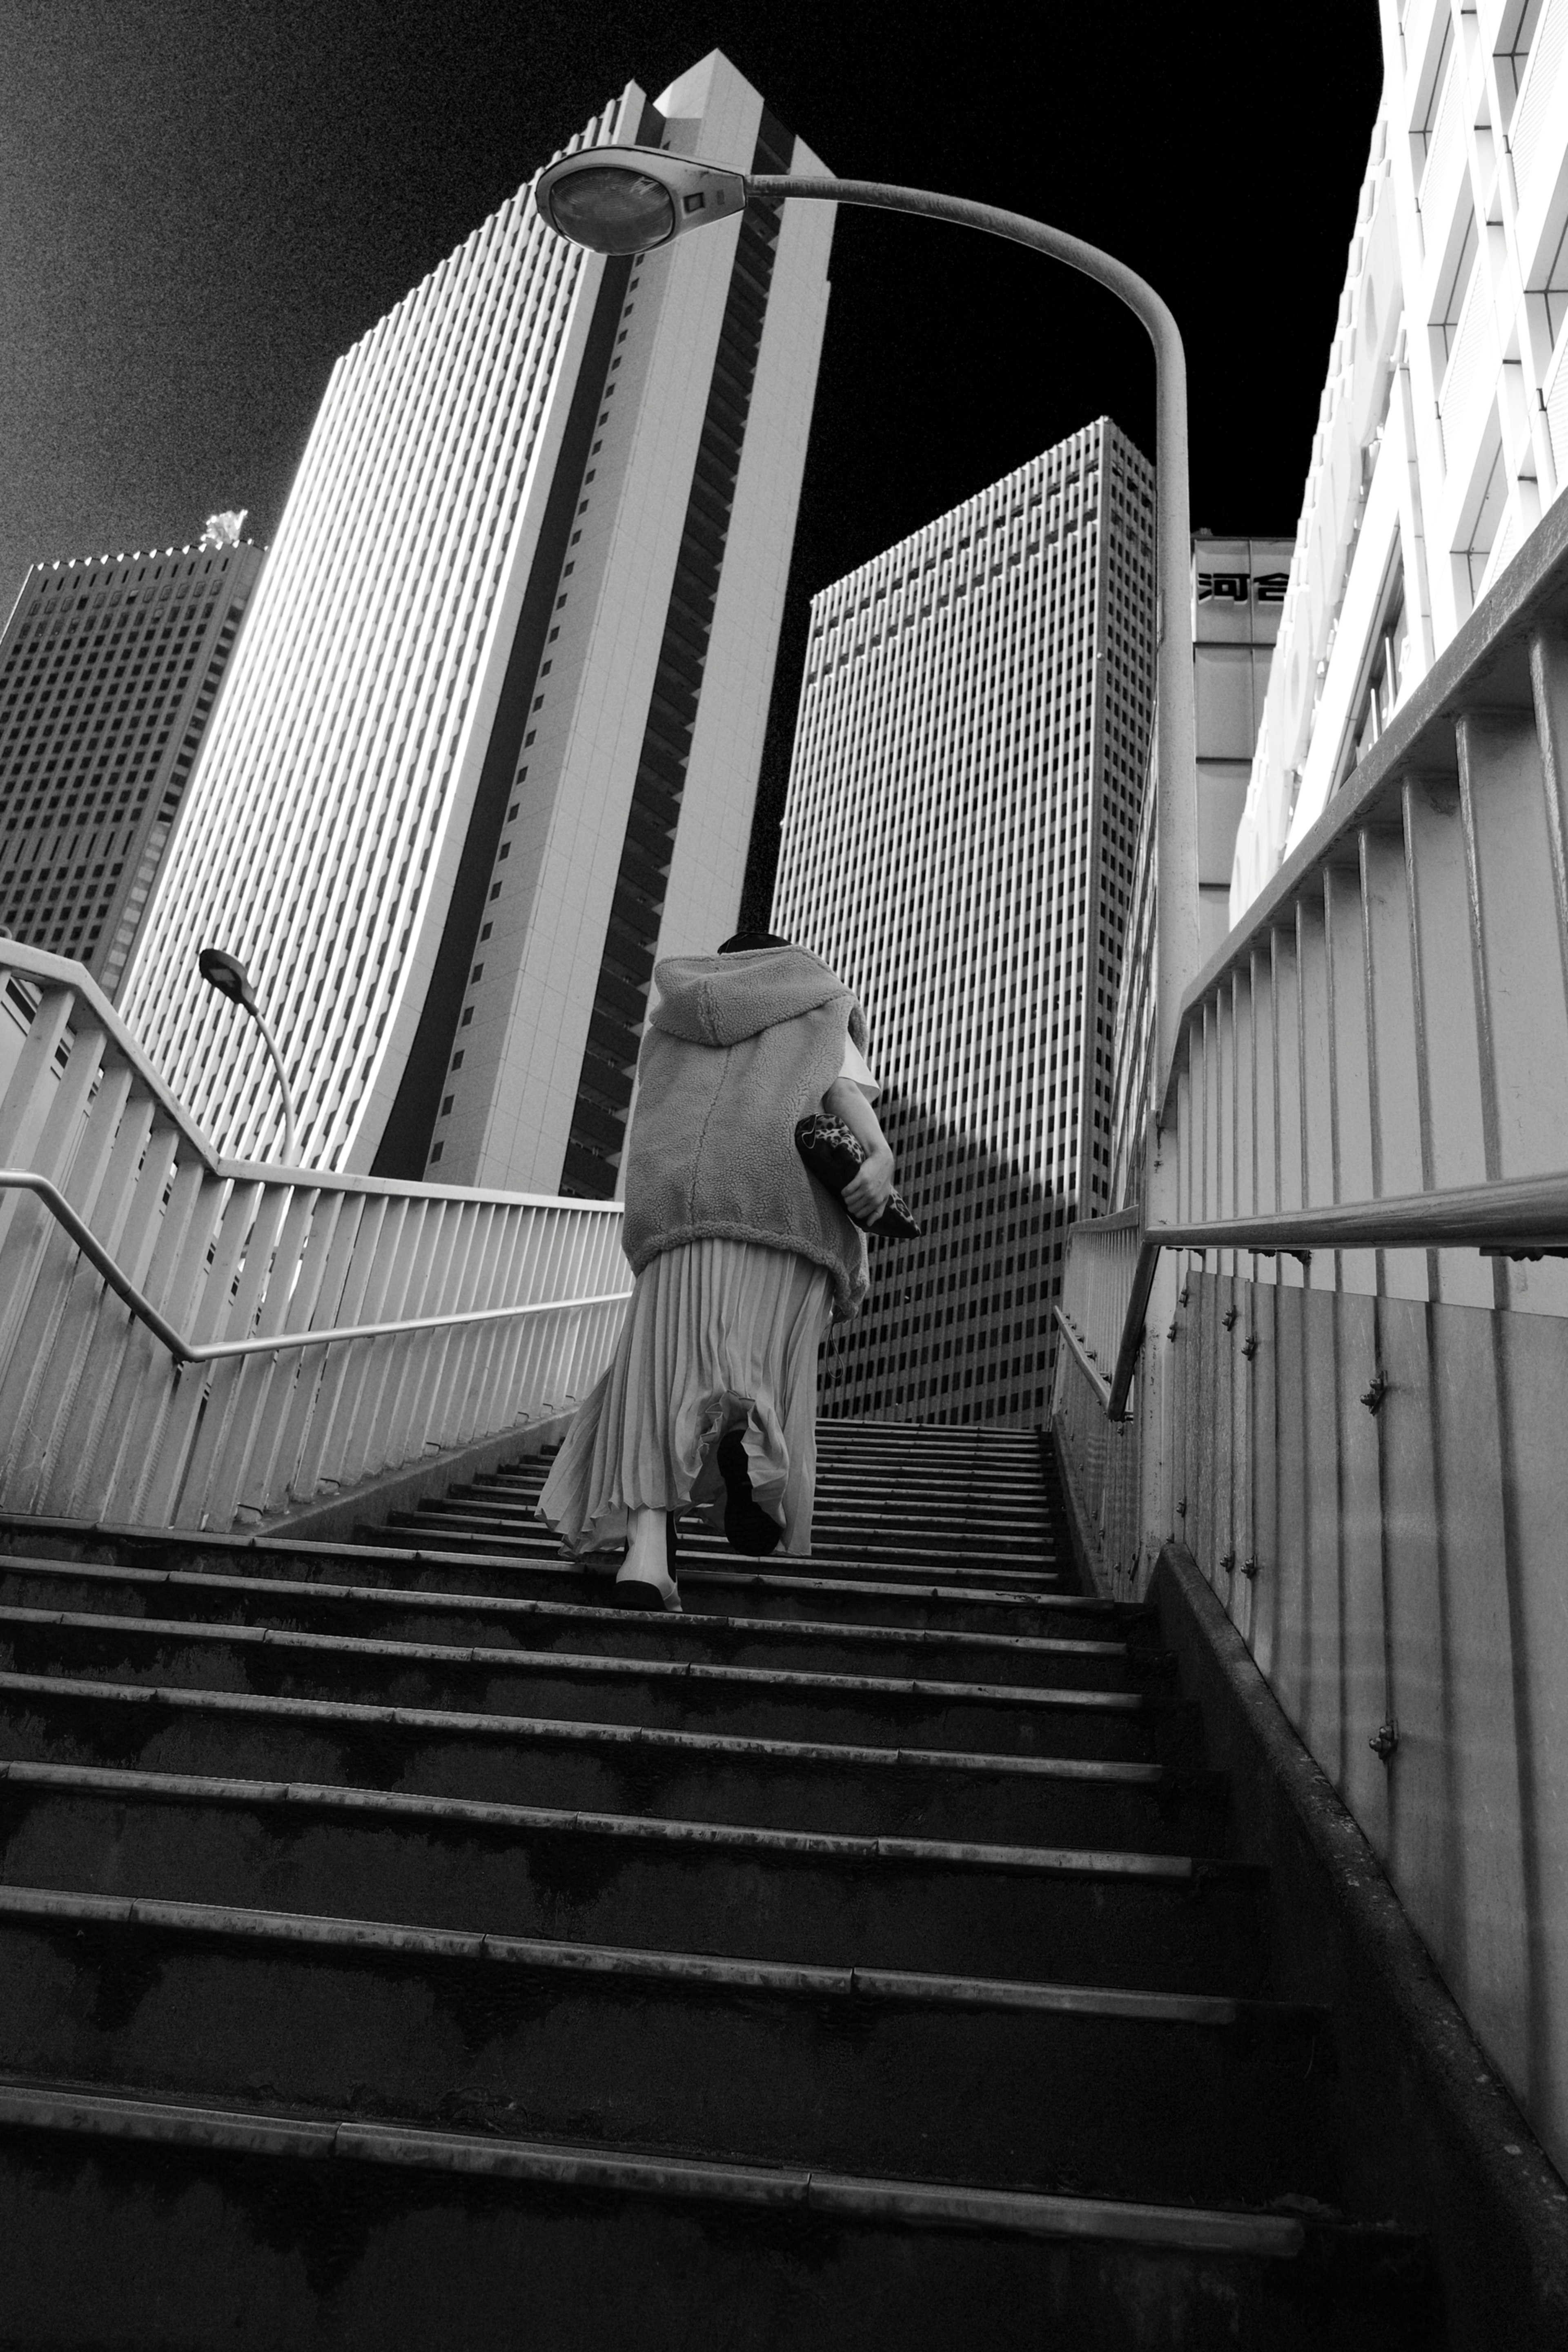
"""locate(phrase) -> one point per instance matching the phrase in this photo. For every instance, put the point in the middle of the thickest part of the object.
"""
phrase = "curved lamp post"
(623, 199)
(228, 976)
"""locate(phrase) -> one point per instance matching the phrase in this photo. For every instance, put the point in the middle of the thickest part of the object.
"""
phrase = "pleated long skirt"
(719, 1335)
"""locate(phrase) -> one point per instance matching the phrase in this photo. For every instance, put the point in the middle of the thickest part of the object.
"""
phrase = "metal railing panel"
(210, 1316)
(1388, 1014)
(61, 1353)
(1100, 1462)
(43, 1267)
(1314, 1013)
(129, 1201)
(1264, 1111)
(254, 1217)
(296, 1385)
(1244, 1093)
(1395, 1577)
(1453, 1139)
(146, 1376)
(249, 1423)
(1365, 1452)
(1353, 1155)
(492, 1258)
(27, 1098)
(1516, 938)
(357, 1299)
(46, 1110)
(190, 1340)
(407, 1242)
(414, 1375)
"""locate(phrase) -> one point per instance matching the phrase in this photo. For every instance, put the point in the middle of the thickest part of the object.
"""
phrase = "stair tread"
(574, 1732)
(1176, 1870)
(190, 1630)
(904, 1985)
(523, 1606)
(566, 2164)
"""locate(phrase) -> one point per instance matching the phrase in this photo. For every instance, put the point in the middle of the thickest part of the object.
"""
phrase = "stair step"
(878, 1599)
(776, 2254)
(885, 1711)
(697, 1547)
(397, 1937)
(1110, 2094)
(1139, 1920)
(391, 1613)
(837, 1500)
(622, 1768)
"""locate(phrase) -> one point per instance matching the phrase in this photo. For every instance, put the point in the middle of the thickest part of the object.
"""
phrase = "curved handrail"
(1515, 1215)
(212, 1352)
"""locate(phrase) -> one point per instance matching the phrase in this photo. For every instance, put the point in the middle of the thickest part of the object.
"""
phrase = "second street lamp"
(228, 976)
(621, 200)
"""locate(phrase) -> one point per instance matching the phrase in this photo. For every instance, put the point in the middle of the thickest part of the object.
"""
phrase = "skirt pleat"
(718, 1335)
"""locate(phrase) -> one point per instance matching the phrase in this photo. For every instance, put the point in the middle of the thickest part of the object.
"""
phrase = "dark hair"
(745, 941)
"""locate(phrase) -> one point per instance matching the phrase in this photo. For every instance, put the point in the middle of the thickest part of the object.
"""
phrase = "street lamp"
(228, 976)
(623, 200)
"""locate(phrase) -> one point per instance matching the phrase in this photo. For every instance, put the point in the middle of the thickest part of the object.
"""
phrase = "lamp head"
(227, 975)
(630, 199)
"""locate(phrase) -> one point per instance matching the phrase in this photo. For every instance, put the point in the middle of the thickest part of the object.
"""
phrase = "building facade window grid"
(110, 669)
(1443, 428)
(427, 567)
(967, 770)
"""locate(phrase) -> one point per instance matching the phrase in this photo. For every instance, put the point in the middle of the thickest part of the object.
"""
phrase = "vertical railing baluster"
(265, 1383)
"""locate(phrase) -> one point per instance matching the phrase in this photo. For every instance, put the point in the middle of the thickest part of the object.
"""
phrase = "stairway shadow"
(400, 1947)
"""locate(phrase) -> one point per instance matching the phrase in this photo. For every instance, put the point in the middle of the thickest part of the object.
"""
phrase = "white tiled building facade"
(492, 741)
(110, 669)
(1237, 592)
(1443, 432)
(958, 840)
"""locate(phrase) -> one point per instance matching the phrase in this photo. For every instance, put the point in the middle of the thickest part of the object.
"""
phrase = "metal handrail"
(1091, 1371)
(212, 1352)
(1518, 1215)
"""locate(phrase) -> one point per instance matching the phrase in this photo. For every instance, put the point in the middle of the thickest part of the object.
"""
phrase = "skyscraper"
(957, 842)
(109, 666)
(492, 742)
(1237, 588)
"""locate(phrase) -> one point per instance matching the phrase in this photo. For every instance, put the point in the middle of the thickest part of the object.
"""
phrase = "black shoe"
(747, 1527)
(631, 1592)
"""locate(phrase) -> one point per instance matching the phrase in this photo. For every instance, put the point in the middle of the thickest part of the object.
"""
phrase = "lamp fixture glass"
(227, 975)
(624, 200)
(613, 211)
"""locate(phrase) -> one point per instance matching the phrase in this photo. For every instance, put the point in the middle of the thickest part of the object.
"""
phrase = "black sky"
(203, 202)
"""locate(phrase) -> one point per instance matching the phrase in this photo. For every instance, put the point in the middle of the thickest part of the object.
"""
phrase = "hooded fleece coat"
(737, 1049)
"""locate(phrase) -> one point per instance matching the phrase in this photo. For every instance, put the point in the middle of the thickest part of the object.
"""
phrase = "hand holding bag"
(833, 1154)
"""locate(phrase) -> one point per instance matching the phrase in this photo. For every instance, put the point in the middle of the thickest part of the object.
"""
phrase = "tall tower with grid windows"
(957, 844)
(491, 742)
(109, 667)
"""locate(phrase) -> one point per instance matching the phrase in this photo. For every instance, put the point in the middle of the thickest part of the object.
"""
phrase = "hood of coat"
(718, 1000)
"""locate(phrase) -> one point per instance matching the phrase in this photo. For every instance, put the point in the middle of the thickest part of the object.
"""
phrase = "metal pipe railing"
(1521, 1216)
(187, 1341)
(216, 1351)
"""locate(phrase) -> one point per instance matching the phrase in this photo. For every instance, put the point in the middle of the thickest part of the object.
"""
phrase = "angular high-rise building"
(957, 842)
(491, 745)
(109, 667)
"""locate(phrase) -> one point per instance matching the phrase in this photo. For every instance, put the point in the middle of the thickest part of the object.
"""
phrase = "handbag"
(832, 1153)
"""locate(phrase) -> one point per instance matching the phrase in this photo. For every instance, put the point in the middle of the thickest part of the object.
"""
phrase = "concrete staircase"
(399, 1946)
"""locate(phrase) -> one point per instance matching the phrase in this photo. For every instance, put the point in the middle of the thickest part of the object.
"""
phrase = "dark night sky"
(202, 202)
